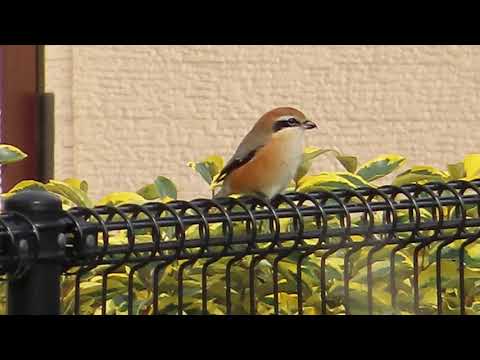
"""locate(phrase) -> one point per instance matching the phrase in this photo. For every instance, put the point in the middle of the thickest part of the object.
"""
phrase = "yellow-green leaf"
(119, 198)
(77, 183)
(35, 185)
(457, 171)
(421, 175)
(208, 168)
(86, 288)
(473, 251)
(356, 180)
(380, 166)
(10, 154)
(74, 194)
(429, 297)
(288, 303)
(380, 269)
(325, 181)
(27, 185)
(358, 297)
(449, 271)
(216, 163)
(149, 192)
(472, 166)
(309, 153)
(349, 162)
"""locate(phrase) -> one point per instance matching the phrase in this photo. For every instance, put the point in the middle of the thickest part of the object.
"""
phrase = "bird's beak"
(309, 125)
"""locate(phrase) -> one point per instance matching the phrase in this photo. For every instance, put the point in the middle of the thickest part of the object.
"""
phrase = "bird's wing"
(236, 162)
(245, 152)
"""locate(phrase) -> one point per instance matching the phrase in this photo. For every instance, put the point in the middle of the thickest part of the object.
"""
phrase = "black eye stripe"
(281, 124)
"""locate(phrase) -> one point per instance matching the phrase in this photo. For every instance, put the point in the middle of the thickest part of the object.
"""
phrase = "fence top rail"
(207, 228)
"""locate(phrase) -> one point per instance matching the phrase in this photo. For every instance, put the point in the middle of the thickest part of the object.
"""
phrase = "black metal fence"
(390, 250)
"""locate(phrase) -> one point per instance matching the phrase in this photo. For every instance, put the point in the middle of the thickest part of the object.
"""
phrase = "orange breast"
(255, 175)
(268, 167)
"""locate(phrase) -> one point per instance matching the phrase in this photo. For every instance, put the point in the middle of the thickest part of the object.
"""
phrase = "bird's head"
(283, 118)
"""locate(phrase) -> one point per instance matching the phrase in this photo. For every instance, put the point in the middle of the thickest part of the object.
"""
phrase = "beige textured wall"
(126, 114)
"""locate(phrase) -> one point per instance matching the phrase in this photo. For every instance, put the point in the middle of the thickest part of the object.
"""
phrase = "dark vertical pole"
(46, 140)
(38, 291)
(46, 121)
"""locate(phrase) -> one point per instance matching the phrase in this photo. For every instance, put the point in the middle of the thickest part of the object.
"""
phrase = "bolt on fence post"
(37, 292)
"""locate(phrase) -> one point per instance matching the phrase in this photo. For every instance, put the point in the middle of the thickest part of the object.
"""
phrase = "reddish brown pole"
(19, 85)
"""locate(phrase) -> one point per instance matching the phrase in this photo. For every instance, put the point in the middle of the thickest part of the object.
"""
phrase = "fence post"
(38, 291)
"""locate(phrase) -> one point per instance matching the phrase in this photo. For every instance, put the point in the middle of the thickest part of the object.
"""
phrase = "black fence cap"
(33, 201)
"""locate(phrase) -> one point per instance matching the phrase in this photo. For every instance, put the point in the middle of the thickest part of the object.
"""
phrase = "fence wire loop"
(11, 248)
(26, 248)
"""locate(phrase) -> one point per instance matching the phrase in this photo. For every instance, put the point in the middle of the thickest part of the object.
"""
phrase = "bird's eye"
(285, 124)
(292, 122)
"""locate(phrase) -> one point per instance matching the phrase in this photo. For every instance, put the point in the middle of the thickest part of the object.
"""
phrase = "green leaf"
(380, 166)
(10, 154)
(472, 166)
(325, 181)
(208, 168)
(421, 175)
(165, 187)
(204, 171)
(149, 192)
(119, 198)
(349, 162)
(162, 188)
(457, 171)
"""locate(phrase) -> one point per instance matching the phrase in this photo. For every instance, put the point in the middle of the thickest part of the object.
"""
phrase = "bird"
(268, 157)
